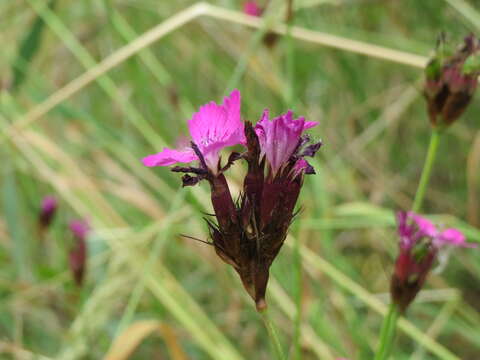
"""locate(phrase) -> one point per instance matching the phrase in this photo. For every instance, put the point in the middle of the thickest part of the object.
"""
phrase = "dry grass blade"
(322, 38)
(473, 177)
(19, 353)
(110, 62)
(126, 344)
(316, 262)
(183, 18)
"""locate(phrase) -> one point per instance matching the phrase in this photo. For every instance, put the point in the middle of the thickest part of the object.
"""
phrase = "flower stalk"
(387, 334)
(273, 335)
(427, 170)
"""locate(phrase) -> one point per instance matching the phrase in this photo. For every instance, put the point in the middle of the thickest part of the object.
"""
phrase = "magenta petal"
(413, 227)
(252, 8)
(80, 228)
(453, 237)
(214, 127)
(169, 157)
(279, 137)
(300, 167)
(425, 226)
(309, 124)
(49, 204)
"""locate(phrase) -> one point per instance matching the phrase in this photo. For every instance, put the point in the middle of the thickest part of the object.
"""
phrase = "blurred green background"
(80, 138)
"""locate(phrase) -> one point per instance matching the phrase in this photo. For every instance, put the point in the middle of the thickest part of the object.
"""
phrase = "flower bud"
(78, 252)
(47, 211)
(451, 81)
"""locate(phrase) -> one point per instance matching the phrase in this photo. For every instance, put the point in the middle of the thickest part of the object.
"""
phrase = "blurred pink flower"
(252, 8)
(79, 228)
(420, 243)
(212, 128)
(47, 211)
(78, 253)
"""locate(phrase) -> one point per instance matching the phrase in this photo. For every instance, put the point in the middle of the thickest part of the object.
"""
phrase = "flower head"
(212, 128)
(281, 137)
(252, 8)
(79, 228)
(78, 253)
(47, 211)
(420, 243)
(451, 80)
(250, 236)
(248, 233)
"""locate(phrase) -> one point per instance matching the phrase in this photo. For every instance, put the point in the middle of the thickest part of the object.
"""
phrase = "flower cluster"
(80, 230)
(420, 243)
(451, 80)
(248, 233)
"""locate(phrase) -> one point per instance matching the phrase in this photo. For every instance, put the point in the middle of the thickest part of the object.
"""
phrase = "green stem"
(272, 333)
(297, 258)
(387, 334)
(427, 170)
(297, 349)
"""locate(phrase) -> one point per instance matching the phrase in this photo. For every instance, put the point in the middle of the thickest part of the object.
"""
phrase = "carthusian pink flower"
(254, 233)
(249, 232)
(420, 243)
(78, 252)
(252, 8)
(47, 211)
(212, 128)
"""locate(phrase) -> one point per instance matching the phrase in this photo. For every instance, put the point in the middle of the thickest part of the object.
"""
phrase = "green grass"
(86, 148)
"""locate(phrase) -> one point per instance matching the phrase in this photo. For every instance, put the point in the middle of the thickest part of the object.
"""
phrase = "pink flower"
(251, 8)
(79, 228)
(248, 233)
(77, 256)
(420, 243)
(212, 128)
(413, 229)
(280, 137)
(47, 211)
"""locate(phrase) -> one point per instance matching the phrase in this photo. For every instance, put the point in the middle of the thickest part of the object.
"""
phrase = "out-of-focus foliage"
(86, 151)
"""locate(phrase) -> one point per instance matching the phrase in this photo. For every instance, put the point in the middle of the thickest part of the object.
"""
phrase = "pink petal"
(214, 127)
(252, 8)
(80, 228)
(425, 226)
(279, 137)
(302, 166)
(49, 204)
(169, 157)
(413, 227)
(309, 124)
(453, 237)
